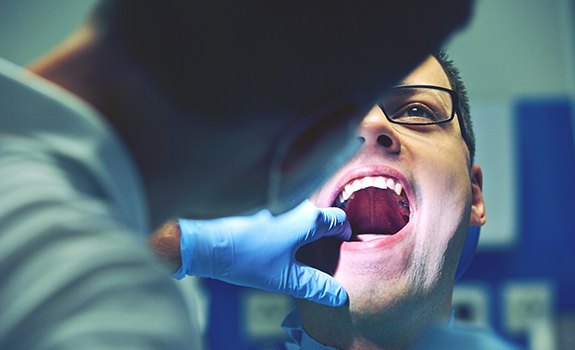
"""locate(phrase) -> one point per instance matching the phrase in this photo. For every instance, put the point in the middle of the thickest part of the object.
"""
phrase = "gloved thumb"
(329, 222)
(317, 286)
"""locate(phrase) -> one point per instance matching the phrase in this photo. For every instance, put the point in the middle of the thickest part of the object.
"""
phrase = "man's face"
(409, 222)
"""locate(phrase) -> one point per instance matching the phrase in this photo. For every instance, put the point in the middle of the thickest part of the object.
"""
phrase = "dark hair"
(202, 64)
(457, 85)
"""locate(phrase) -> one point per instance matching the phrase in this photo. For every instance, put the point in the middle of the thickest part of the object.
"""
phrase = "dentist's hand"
(259, 251)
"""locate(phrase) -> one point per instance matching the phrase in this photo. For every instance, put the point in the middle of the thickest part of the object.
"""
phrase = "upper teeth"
(369, 181)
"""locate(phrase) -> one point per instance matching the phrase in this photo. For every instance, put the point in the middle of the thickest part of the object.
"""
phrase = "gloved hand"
(259, 251)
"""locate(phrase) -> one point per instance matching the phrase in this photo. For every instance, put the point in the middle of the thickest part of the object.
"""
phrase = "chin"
(376, 297)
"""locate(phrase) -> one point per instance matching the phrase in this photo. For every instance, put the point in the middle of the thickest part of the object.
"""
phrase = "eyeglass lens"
(417, 105)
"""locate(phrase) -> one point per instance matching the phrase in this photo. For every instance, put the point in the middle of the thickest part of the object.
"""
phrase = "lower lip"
(377, 243)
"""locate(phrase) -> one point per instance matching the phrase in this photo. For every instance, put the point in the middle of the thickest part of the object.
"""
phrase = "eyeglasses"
(422, 105)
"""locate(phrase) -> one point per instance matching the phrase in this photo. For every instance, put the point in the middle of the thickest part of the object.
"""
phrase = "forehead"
(429, 72)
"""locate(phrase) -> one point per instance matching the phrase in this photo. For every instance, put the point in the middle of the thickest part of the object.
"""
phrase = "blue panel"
(223, 330)
(547, 170)
(546, 205)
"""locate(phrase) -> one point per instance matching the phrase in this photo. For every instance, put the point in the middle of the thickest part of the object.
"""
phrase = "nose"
(376, 131)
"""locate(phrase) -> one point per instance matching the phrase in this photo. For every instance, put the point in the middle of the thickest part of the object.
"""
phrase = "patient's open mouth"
(374, 205)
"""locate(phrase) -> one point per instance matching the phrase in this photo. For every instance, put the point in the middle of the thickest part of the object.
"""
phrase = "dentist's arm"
(257, 251)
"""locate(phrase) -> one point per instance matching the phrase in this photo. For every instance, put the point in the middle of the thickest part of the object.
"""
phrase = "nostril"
(384, 140)
(361, 139)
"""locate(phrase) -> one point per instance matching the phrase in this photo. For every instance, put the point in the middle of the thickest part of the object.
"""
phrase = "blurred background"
(517, 59)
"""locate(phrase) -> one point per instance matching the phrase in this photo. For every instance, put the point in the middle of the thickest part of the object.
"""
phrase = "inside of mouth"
(376, 211)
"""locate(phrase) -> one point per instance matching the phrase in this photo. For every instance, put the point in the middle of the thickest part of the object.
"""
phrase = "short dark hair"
(457, 85)
(184, 47)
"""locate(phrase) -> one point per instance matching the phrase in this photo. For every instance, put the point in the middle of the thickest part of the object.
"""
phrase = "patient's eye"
(416, 113)
(419, 112)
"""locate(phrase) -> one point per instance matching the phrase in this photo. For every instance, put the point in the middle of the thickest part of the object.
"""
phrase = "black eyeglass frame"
(454, 110)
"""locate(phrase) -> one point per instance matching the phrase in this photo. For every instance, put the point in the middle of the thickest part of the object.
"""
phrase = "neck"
(101, 75)
(395, 328)
(74, 65)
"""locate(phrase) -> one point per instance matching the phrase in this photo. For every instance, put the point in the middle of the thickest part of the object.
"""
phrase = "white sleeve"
(71, 275)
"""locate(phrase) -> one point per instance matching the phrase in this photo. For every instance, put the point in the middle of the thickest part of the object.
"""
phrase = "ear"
(477, 217)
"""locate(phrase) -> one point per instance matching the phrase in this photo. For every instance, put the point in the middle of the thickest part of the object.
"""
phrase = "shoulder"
(78, 140)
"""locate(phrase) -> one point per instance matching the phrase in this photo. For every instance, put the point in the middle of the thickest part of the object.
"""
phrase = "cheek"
(444, 204)
(444, 212)
(448, 173)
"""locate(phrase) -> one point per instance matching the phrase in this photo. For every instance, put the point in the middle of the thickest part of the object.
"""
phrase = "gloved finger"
(316, 286)
(338, 225)
(329, 222)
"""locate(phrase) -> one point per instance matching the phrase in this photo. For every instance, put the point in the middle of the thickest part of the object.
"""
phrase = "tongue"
(376, 211)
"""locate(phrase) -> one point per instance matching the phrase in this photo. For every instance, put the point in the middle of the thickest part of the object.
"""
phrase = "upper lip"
(370, 170)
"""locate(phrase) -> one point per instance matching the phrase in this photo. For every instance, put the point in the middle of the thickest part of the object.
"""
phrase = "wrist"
(165, 244)
(206, 248)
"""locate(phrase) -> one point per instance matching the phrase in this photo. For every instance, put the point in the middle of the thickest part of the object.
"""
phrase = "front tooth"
(397, 189)
(356, 185)
(368, 182)
(390, 184)
(380, 182)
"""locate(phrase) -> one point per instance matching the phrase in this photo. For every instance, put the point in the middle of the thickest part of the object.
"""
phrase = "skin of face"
(398, 284)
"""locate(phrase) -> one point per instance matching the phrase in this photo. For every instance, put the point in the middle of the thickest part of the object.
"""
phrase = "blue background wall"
(546, 212)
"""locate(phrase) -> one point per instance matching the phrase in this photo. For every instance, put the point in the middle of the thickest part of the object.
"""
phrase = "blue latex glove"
(259, 251)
